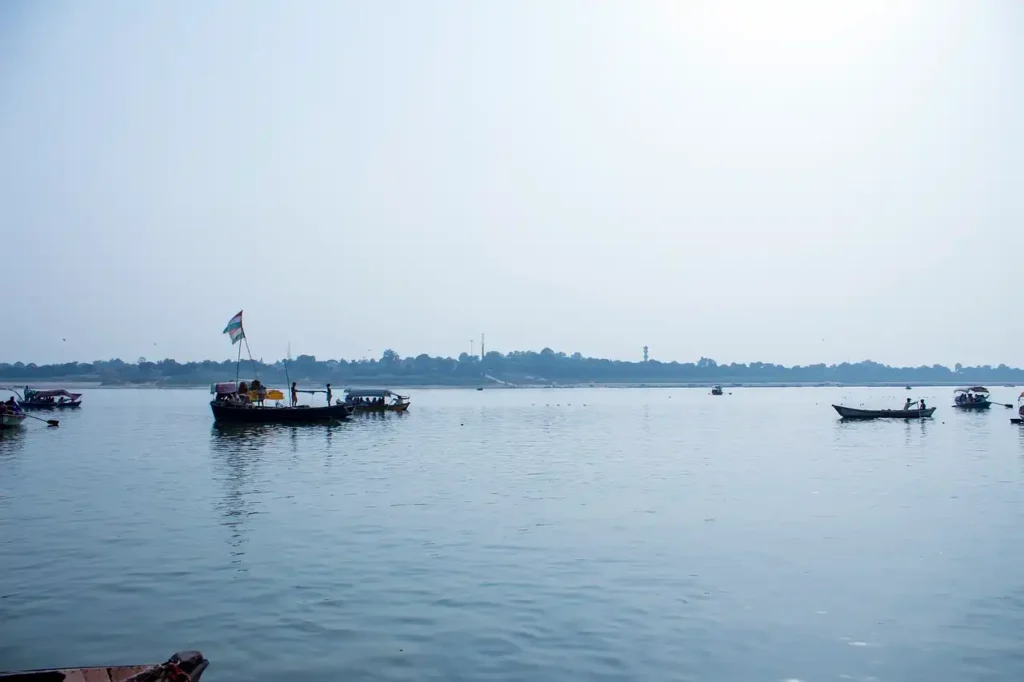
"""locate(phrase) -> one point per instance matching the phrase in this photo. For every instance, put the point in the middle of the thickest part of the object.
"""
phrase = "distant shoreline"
(340, 386)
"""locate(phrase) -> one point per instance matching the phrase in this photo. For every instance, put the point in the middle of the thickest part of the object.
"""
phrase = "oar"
(1003, 404)
(49, 422)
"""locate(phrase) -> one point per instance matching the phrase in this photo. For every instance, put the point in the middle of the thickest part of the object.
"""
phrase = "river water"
(548, 535)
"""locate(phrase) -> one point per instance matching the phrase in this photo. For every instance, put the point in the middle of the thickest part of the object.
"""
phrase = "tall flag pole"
(236, 333)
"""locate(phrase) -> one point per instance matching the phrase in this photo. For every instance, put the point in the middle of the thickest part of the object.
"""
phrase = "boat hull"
(229, 414)
(191, 665)
(50, 406)
(853, 413)
(371, 409)
(11, 421)
(973, 406)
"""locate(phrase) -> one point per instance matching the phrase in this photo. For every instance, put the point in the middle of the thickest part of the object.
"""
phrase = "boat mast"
(287, 379)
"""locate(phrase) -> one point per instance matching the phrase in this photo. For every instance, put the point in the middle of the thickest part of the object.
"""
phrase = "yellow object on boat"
(274, 394)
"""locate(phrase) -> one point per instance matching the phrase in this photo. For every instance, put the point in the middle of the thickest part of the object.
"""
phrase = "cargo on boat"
(184, 666)
(853, 413)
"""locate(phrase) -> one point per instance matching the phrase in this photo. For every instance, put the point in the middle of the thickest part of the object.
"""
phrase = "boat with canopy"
(50, 399)
(972, 398)
(376, 400)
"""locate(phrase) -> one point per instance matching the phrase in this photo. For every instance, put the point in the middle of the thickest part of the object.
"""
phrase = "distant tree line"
(517, 368)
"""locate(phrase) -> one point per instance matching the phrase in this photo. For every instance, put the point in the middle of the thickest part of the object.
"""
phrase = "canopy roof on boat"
(972, 389)
(370, 393)
(224, 387)
(31, 393)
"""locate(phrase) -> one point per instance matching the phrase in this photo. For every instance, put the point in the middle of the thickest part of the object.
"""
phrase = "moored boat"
(375, 400)
(972, 398)
(854, 413)
(184, 666)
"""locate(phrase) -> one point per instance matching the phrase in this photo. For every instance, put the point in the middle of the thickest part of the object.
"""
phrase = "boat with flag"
(241, 402)
(50, 399)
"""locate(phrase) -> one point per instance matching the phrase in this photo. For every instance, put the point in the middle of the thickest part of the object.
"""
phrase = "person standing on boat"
(295, 393)
(329, 394)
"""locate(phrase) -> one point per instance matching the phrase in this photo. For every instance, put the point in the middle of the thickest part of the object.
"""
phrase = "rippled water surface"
(649, 534)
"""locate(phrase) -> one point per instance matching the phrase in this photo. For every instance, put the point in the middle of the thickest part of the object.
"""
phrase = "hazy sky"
(785, 181)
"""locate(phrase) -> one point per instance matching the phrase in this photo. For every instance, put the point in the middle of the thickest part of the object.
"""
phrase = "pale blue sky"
(792, 181)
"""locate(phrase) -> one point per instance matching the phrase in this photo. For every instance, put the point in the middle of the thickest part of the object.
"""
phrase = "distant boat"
(479, 388)
(717, 390)
(853, 413)
(184, 666)
(973, 398)
(909, 387)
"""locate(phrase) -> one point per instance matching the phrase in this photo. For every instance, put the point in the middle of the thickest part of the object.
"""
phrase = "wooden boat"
(853, 413)
(184, 666)
(717, 390)
(231, 407)
(50, 399)
(972, 398)
(363, 400)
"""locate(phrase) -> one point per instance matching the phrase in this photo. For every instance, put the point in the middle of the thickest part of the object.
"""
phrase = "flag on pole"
(234, 329)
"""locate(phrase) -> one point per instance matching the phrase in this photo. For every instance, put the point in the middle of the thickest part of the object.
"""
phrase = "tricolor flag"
(234, 329)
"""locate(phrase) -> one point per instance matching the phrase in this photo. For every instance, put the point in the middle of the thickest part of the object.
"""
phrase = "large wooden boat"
(972, 398)
(364, 400)
(184, 666)
(231, 407)
(853, 413)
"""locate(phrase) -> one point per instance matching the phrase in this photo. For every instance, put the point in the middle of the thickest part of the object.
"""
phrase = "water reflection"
(238, 451)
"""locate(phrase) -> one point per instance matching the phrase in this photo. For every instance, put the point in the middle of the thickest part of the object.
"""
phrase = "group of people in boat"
(969, 398)
(371, 403)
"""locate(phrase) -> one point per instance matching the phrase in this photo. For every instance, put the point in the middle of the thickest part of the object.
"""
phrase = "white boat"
(12, 420)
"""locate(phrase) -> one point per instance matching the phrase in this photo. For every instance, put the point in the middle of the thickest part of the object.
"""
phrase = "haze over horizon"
(791, 182)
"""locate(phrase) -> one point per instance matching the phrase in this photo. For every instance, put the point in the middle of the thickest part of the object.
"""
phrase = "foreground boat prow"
(184, 666)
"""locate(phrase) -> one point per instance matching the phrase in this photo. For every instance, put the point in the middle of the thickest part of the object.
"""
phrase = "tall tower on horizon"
(645, 353)
(482, 350)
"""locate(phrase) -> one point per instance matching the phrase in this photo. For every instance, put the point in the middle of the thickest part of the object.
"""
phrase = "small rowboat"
(12, 420)
(184, 666)
(853, 413)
